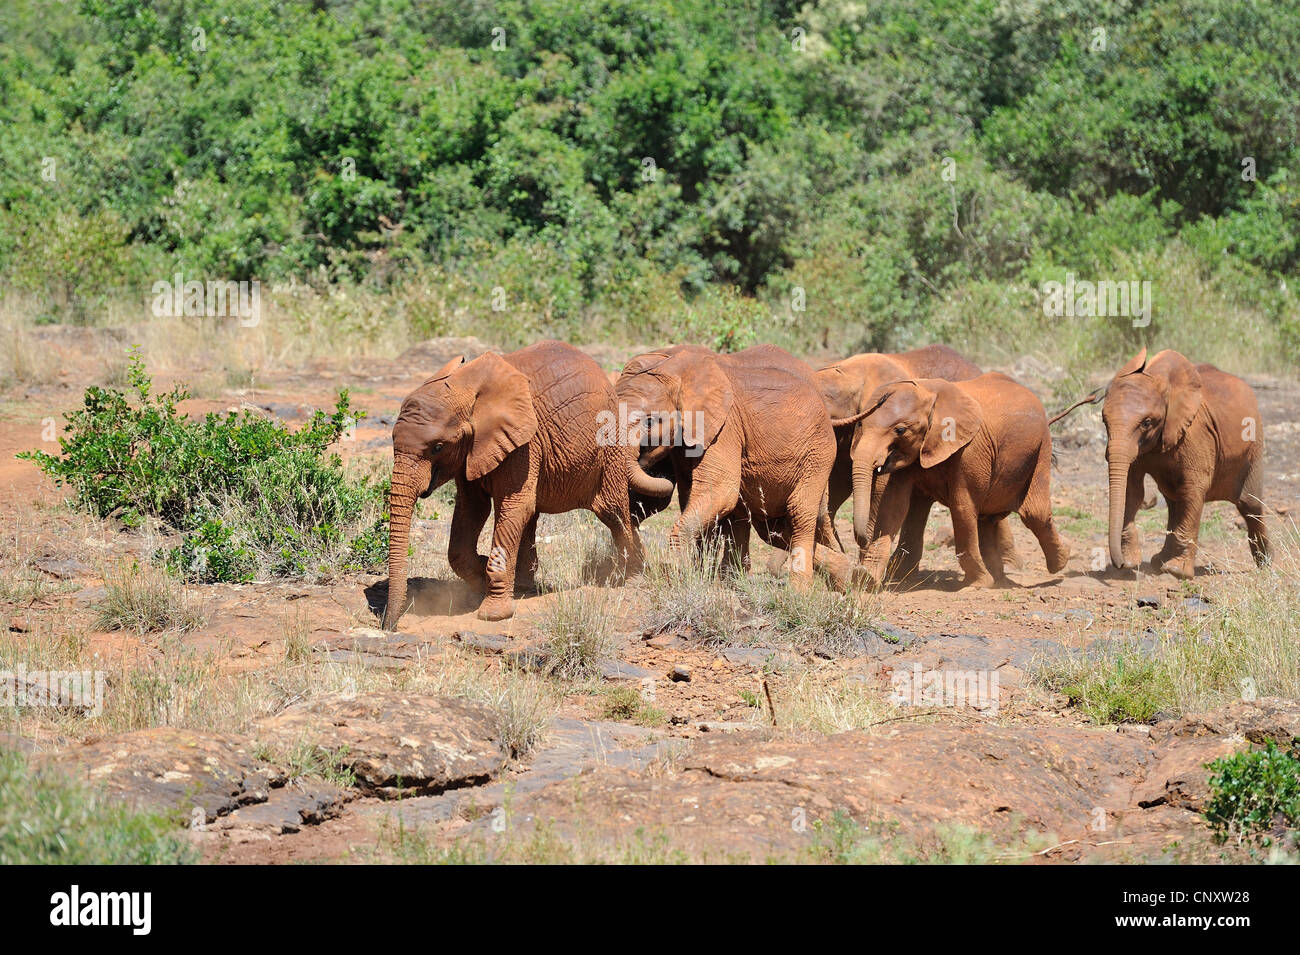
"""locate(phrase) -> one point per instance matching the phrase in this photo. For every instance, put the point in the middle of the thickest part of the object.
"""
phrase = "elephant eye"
(437, 447)
(900, 430)
(1147, 422)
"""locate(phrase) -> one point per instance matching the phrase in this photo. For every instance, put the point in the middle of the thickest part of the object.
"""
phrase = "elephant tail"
(1091, 399)
(855, 418)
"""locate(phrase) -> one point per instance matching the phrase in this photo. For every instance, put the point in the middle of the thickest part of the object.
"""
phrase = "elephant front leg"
(991, 548)
(471, 512)
(526, 572)
(911, 539)
(1178, 555)
(1131, 535)
(502, 560)
(965, 535)
(889, 508)
(736, 529)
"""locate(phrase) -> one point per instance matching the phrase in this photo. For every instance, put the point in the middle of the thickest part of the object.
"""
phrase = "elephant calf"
(846, 387)
(1196, 430)
(981, 447)
(518, 433)
(750, 445)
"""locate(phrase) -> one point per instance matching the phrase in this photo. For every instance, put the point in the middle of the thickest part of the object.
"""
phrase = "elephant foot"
(1184, 568)
(496, 608)
(1062, 558)
(901, 570)
(984, 580)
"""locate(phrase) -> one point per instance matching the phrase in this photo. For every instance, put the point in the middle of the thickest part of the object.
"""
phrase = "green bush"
(612, 166)
(250, 496)
(47, 819)
(1255, 793)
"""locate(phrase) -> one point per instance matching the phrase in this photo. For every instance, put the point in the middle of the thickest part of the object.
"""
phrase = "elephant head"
(461, 423)
(903, 423)
(1149, 407)
(847, 385)
(678, 397)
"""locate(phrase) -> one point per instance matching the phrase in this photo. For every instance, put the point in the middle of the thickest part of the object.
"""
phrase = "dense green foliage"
(615, 166)
(250, 496)
(46, 819)
(1255, 794)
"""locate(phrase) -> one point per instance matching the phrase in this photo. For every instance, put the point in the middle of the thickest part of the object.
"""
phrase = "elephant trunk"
(1120, 461)
(643, 483)
(868, 488)
(411, 476)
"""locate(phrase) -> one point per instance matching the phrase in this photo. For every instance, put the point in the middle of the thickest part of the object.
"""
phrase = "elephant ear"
(446, 370)
(704, 397)
(1135, 364)
(954, 418)
(1183, 399)
(643, 363)
(840, 390)
(501, 414)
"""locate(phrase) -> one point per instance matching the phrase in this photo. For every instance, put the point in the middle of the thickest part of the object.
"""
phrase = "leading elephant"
(846, 387)
(520, 434)
(750, 444)
(1197, 431)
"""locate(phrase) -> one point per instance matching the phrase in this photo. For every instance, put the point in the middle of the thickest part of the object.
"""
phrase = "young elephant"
(846, 387)
(749, 442)
(518, 433)
(1196, 430)
(980, 447)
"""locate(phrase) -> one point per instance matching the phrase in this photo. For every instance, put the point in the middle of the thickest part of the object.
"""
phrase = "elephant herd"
(759, 441)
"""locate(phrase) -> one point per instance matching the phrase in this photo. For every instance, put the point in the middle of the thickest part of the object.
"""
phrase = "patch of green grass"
(624, 703)
(843, 841)
(46, 818)
(1125, 685)
(690, 595)
(307, 761)
(146, 600)
(578, 632)
(815, 618)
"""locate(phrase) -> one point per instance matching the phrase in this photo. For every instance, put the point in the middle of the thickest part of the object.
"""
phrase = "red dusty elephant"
(1196, 430)
(846, 387)
(981, 447)
(750, 443)
(518, 433)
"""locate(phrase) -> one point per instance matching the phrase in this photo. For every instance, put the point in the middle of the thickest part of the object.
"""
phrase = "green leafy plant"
(250, 496)
(1254, 795)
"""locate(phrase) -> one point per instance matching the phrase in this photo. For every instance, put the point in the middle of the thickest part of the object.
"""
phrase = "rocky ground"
(732, 751)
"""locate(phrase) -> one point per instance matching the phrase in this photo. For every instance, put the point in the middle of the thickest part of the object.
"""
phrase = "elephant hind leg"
(1250, 506)
(1036, 514)
(1007, 543)
(991, 548)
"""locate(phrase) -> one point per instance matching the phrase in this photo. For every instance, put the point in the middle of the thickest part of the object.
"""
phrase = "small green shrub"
(1255, 793)
(46, 819)
(146, 600)
(251, 497)
(624, 703)
(578, 628)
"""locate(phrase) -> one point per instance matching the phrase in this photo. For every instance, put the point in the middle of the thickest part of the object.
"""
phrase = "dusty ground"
(712, 780)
